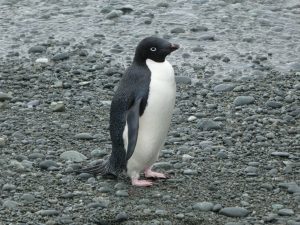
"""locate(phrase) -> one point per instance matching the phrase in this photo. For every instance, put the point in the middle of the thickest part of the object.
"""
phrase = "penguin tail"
(101, 168)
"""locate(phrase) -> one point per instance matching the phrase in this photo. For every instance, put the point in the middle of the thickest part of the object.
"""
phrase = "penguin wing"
(133, 116)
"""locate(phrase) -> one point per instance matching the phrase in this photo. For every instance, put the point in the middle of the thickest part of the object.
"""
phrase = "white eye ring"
(153, 49)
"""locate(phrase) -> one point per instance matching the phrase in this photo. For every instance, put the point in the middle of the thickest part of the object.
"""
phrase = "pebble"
(190, 172)
(48, 212)
(73, 156)
(234, 212)
(98, 153)
(199, 28)
(280, 154)
(33, 103)
(8, 187)
(122, 216)
(47, 164)
(37, 49)
(208, 124)
(285, 212)
(42, 60)
(183, 80)
(161, 212)
(192, 118)
(5, 96)
(84, 136)
(273, 104)
(61, 56)
(9, 204)
(27, 197)
(114, 14)
(217, 208)
(224, 88)
(122, 193)
(57, 106)
(177, 30)
(163, 165)
(243, 100)
(203, 206)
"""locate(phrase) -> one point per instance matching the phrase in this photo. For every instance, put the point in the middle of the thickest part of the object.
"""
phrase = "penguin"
(140, 114)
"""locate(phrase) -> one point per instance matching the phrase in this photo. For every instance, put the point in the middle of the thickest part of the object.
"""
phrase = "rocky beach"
(233, 149)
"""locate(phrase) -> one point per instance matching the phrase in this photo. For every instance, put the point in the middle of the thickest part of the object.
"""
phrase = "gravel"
(232, 153)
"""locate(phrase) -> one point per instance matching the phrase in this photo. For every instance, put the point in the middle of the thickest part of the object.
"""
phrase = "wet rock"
(208, 124)
(177, 30)
(73, 156)
(223, 87)
(285, 212)
(203, 206)
(84, 136)
(5, 96)
(243, 100)
(61, 56)
(37, 49)
(234, 212)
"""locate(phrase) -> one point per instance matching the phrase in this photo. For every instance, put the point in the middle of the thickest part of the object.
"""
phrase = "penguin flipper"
(133, 117)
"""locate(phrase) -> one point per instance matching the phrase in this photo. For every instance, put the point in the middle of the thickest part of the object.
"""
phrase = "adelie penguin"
(141, 112)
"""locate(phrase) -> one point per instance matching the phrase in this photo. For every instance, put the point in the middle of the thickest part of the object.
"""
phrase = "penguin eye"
(152, 49)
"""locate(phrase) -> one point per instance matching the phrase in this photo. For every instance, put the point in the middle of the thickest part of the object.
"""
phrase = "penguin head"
(154, 48)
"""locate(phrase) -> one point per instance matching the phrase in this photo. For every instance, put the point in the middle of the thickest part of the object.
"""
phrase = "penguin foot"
(141, 183)
(152, 174)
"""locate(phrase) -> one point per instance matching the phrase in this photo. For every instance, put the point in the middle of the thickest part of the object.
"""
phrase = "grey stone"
(122, 216)
(243, 100)
(234, 212)
(183, 80)
(203, 206)
(8, 187)
(177, 30)
(122, 193)
(274, 105)
(84, 136)
(285, 212)
(217, 208)
(163, 165)
(37, 49)
(73, 156)
(224, 87)
(5, 96)
(61, 56)
(27, 197)
(58, 106)
(46, 164)
(114, 14)
(9, 204)
(48, 212)
(190, 172)
(98, 153)
(207, 37)
(280, 154)
(208, 124)
(199, 28)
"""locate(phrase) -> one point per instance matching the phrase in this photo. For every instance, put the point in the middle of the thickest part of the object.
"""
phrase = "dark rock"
(208, 124)
(234, 212)
(177, 30)
(61, 56)
(37, 49)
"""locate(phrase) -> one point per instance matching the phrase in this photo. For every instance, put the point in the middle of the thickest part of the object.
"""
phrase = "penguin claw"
(151, 174)
(141, 183)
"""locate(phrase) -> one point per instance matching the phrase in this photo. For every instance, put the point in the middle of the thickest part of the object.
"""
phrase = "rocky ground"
(233, 150)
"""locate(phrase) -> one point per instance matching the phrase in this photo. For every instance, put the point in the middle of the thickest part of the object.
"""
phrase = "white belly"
(155, 122)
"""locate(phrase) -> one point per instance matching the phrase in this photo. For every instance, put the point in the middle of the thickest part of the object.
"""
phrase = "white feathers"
(155, 122)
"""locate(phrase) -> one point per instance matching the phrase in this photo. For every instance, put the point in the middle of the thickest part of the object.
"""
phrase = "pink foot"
(141, 183)
(150, 173)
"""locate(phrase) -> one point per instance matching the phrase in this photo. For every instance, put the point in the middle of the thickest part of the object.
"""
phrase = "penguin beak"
(174, 47)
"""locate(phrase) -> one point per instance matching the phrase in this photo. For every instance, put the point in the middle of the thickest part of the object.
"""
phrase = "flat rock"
(208, 124)
(84, 136)
(243, 100)
(223, 88)
(48, 212)
(9, 204)
(234, 212)
(285, 212)
(46, 164)
(37, 49)
(5, 96)
(203, 206)
(183, 80)
(281, 154)
(73, 156)
(61, 56)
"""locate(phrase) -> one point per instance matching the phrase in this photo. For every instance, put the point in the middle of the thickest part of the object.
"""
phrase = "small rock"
(285, 212)
(122, 193)
(84, 136)
(183, 80)
(192, 118)
(98, 153)
(48, 212)
(9, 204)
(114, 14)
(27, 197)
(163, 165)
(223, 88)
(243, 100)
(46, 164)
(42, 60)
(208, 124)
(177, 30)
(190, 172)
(37, 49)
(274, 105)
(122, 216)
(217, 208)
(5, 96)
(207, 37)
(199, 29)
(61, 56)
(33, 103)
(57, 106)
(8, 187)
(73, 156)
(281, 154)
(203, 206)
(234, 212)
